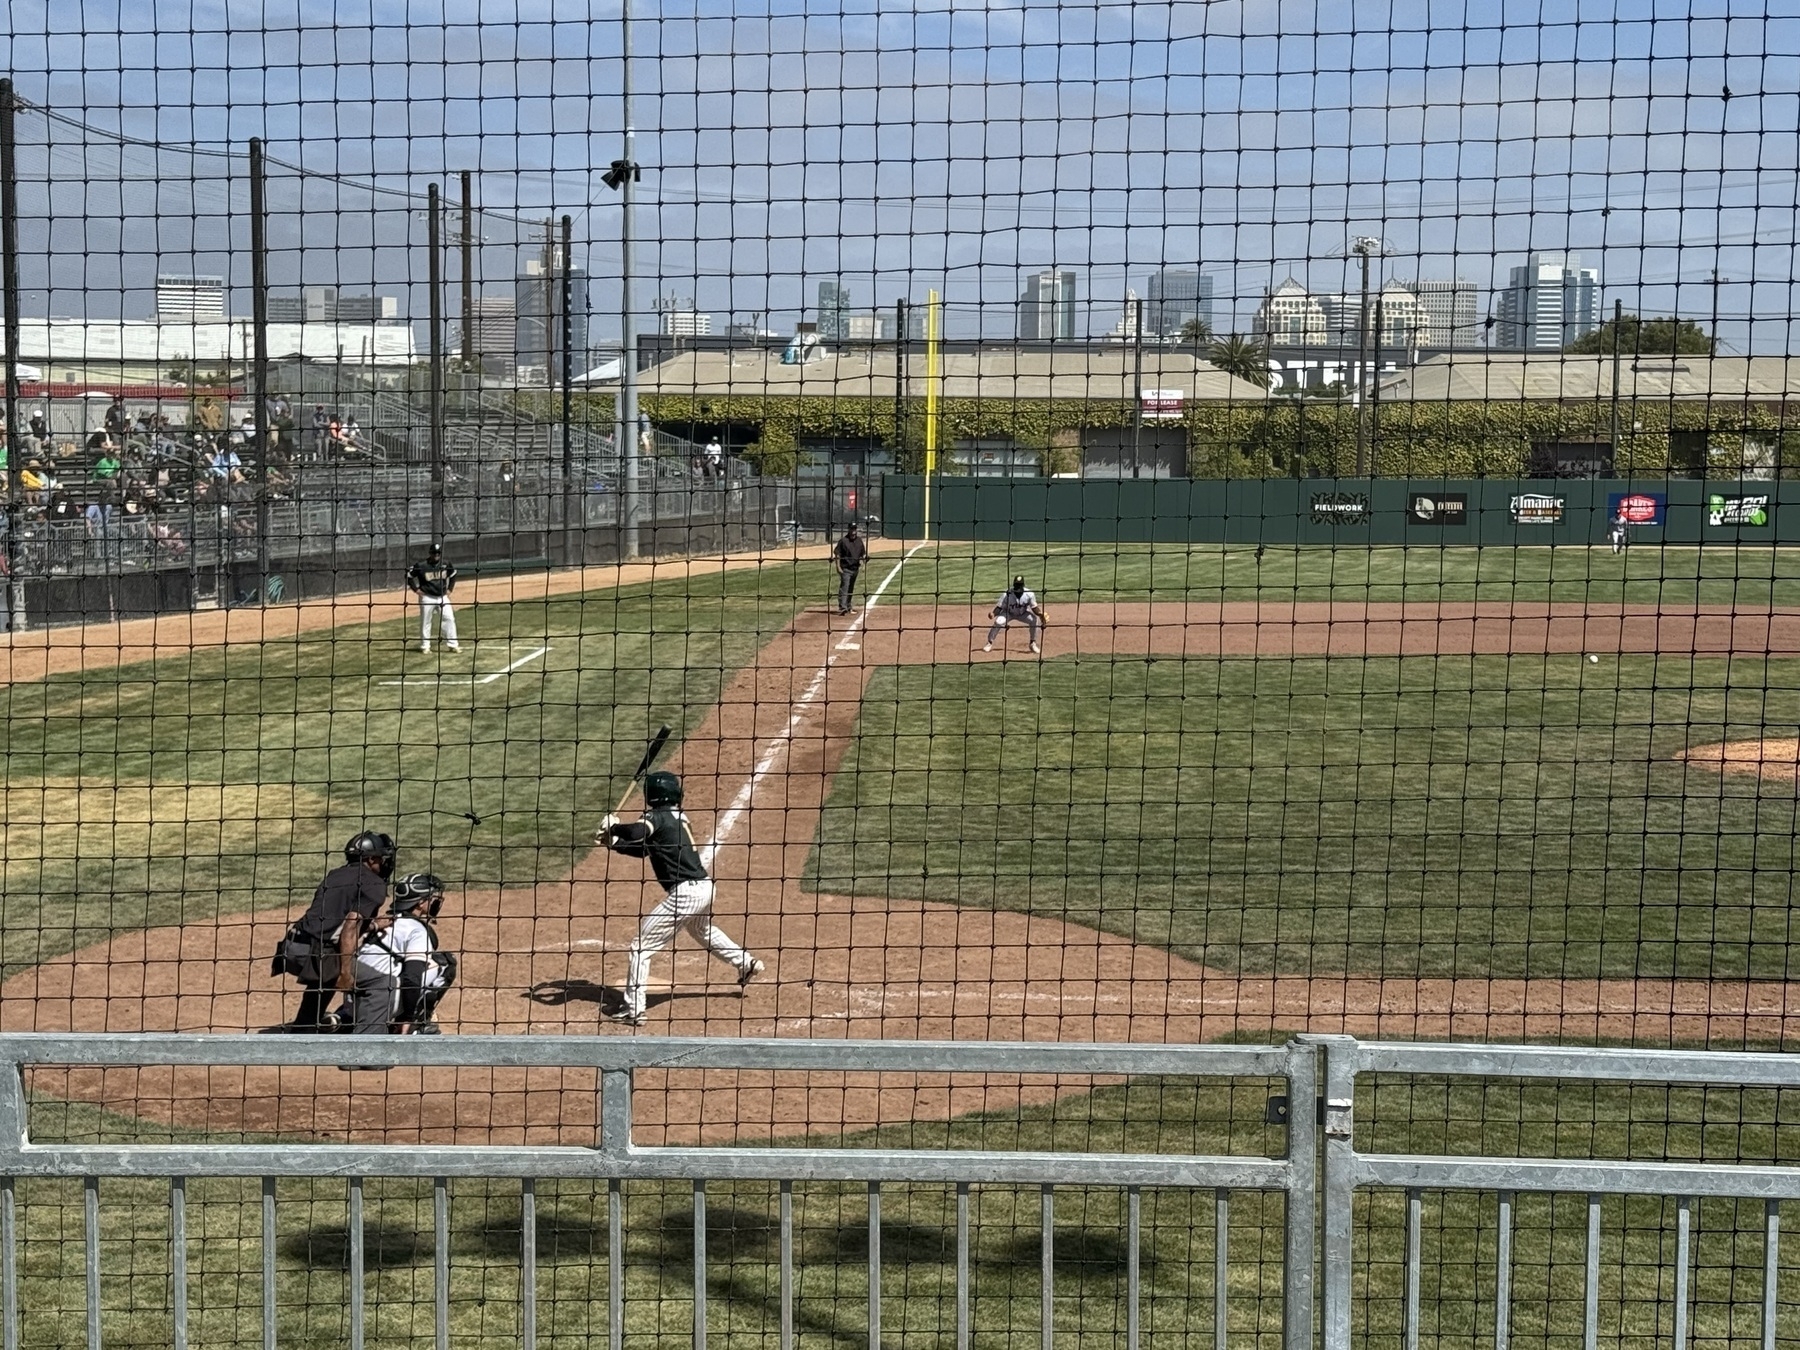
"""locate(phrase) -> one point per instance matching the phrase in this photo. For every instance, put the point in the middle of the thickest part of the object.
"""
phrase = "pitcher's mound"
(1773, 759)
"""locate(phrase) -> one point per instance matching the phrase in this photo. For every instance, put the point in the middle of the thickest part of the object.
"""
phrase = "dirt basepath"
(758, 770)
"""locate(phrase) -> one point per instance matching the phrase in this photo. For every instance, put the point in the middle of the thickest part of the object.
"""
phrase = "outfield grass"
(222, 781)
(918, 1227)
(1442, 815)
(1575, 574)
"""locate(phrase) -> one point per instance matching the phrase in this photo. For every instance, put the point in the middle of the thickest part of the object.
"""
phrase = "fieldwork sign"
(1340, 508)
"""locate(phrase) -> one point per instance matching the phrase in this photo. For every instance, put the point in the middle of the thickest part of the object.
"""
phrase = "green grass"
(1425, 815)
(1716, 1126)
(222, 781)
(1576, 574)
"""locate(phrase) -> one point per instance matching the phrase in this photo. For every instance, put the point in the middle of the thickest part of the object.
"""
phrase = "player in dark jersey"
(662, 836)
(432, 579)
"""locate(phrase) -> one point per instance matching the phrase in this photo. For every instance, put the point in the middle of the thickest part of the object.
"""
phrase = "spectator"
(62, 506)
(40, 425)
(107, 467)
(509, 480)
(5, 462)
(34, 482)
(224, 463)
(352, 434)
(118, 420)
(715, 459)
(321, 425)
(98, 516)
(334, 437)
(100, 440)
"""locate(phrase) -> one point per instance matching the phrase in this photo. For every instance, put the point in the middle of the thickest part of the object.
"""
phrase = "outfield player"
(1016, 605)
(664, 838)
(432, 580)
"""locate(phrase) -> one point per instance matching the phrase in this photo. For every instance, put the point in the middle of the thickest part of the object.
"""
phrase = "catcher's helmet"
(372, 847)
(1018, 585)
(418, 890)
(662, 789)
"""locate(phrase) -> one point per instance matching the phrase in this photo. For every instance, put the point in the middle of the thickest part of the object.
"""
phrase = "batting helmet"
(662, 789)
(418, 890)
(372, 847)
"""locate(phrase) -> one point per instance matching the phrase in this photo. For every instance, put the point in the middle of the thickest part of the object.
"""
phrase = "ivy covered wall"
(1297, 438)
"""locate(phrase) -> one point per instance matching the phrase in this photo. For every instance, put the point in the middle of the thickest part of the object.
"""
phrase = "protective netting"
(1157, 523)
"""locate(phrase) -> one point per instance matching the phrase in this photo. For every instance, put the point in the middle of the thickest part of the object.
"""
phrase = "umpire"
(849, 554)
(343, 910)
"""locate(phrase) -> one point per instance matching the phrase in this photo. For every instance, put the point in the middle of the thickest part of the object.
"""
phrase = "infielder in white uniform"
(663, 837)
(432, 581)
(1018, 605)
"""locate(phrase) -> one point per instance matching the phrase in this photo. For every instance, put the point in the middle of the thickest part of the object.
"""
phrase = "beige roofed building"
(1001, 374)
(1510, 377)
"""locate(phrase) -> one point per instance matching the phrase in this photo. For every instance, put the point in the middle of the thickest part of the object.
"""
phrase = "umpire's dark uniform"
(849, 555)
(352, 888)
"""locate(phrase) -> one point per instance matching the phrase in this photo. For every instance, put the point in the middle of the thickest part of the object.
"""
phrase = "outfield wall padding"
(1505, 512)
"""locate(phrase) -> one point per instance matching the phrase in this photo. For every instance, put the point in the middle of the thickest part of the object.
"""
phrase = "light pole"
(1364, 247)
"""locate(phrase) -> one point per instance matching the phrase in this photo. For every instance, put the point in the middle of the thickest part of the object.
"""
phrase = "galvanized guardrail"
(617, 1159)
(1329, 1186)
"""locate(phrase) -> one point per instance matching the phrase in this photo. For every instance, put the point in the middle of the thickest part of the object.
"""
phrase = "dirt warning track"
(547, 960)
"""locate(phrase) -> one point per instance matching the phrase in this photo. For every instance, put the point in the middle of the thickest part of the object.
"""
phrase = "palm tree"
(1195, 333)
(1245, 358)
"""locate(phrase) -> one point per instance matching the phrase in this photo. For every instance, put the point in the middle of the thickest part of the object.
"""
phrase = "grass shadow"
(327, 1246)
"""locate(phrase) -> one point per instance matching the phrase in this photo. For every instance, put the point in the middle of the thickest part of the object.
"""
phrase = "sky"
(955, 144)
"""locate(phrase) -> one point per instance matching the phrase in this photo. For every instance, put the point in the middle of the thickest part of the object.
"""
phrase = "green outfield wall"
(1508, 512)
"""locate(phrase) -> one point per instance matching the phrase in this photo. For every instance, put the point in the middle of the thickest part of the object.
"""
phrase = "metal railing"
(1352, 1214)
(616, 1159)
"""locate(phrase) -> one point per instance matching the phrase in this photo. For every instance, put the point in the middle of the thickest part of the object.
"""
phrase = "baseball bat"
(657, 742)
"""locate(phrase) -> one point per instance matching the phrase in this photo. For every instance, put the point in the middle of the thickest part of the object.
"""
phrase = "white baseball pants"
(688, 906)
(446, 617)
(1029, 620)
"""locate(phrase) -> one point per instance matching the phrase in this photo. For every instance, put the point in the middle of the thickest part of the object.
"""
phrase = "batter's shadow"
(610, 998)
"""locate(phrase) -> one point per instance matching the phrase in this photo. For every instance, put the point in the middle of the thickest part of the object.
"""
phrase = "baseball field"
(1533, 793)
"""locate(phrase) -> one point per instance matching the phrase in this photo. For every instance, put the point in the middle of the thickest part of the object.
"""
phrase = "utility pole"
(568, 377)
(623, 176)
(1375, 392)
(259, 358)
(9, 296)
(1137, 383)
(1619, 321)
(900, 336)
(434, 247)
(468, 271)
(1364, 247)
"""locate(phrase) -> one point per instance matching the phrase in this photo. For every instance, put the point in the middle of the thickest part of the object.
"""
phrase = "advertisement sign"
(1640, 508)
(1162, 405)
(1438, 508)
(1537, 508)
(1737, 510)
(1340, 508)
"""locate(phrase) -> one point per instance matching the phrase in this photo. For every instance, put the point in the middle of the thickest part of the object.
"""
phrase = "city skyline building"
(326, 304)
(1047, 307)
(1450, 313)
(1174, 297)
(1549, 302)
(537, 296)
(189, 299)
(833, 316)
(1291, 316)
(493, 333)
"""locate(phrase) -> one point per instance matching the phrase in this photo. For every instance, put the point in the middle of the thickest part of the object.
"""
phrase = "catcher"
(1018, 605)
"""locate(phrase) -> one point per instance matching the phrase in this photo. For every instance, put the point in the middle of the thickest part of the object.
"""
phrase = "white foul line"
(475, 679)
(728, 820)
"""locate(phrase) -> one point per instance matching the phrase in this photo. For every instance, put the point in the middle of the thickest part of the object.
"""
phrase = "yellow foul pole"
(931, 401)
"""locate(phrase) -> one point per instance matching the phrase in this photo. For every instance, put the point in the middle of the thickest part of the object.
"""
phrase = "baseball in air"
(1593, 660)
